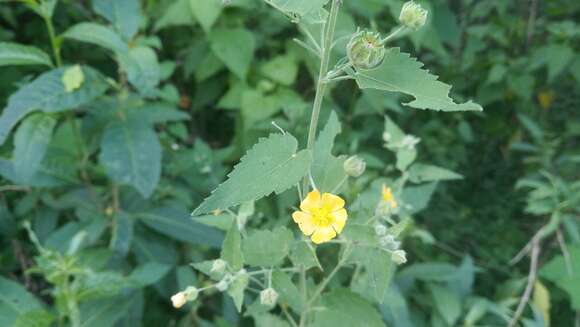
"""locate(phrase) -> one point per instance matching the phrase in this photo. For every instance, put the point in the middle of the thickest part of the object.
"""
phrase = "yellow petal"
(332, 201)
(304, 221)
(339, 220)
(322, 235)
(312, 201)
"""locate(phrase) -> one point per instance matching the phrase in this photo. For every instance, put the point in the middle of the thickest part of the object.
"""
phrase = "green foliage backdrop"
(118, 119)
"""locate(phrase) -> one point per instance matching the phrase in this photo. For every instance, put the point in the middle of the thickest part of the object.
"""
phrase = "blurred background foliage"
(204, 80)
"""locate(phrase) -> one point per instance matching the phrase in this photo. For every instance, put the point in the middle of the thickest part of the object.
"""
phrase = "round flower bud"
(269, 297)
(399, 257)
(380, 229)
(223, 284)
(354, 166)
(178, 300)
(413, 15)
(191, 293)
(218, 267)
(365, 50)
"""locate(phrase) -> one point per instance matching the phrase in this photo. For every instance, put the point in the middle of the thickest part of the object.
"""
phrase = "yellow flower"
(322, 216)
(389, 197)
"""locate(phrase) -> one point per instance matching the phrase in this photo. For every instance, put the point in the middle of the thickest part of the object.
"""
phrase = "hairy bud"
(399, 257)
(413, 15)
(218, 267)
(365, 50)
(354, 166)
(269, 297)
(180, 299)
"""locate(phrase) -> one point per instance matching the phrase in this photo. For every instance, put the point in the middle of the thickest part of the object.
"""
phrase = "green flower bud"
(413, 15)
(269, 297)
(191, 293)
(365, 50)
(218, 267)
(399, 257)
(354, 166)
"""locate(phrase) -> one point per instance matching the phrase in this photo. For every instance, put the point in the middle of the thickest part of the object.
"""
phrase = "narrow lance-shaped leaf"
(48, 93)
(401, 73)
(272, 165)
(18, 54)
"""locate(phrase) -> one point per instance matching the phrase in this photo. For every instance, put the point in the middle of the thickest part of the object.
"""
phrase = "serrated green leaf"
(47, 93)
(302, 253)
(235, 48)
(287, 290)
(131, 154)
(418, 197)
(124, 15)
(267, 248)
(345, 308)
(15, 301)
(401, 73)
(97, 34)
(18, 54)
(282, 69)
(206, 12)
(380, 270)
(30, 143)
(237, 289)
(309, 10)
(232, 248)
(419, 173)
(174, 222)
(327, 170)
(272, 165)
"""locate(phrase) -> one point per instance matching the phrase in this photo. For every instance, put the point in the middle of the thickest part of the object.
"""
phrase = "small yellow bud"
(413, 15)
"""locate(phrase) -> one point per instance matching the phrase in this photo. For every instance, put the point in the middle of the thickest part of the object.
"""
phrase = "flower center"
(322, 216)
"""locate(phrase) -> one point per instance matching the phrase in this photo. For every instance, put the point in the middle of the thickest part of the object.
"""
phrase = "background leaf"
(235, 48)
(30, 142)
(18, 54)
(97, 34)
(131, 154)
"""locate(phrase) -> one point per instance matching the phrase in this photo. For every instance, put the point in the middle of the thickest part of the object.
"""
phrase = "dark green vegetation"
(97, 181)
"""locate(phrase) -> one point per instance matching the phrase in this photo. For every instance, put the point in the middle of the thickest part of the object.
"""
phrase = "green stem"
(53, 41)
(323, 285)
(321, 85)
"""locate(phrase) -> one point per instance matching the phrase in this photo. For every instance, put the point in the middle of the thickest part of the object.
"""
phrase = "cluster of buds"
(218, 268)
(389, 243)
(354, 166)
(366, 49)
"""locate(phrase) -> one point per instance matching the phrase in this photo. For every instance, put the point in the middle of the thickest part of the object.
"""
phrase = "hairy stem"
(321, 85)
